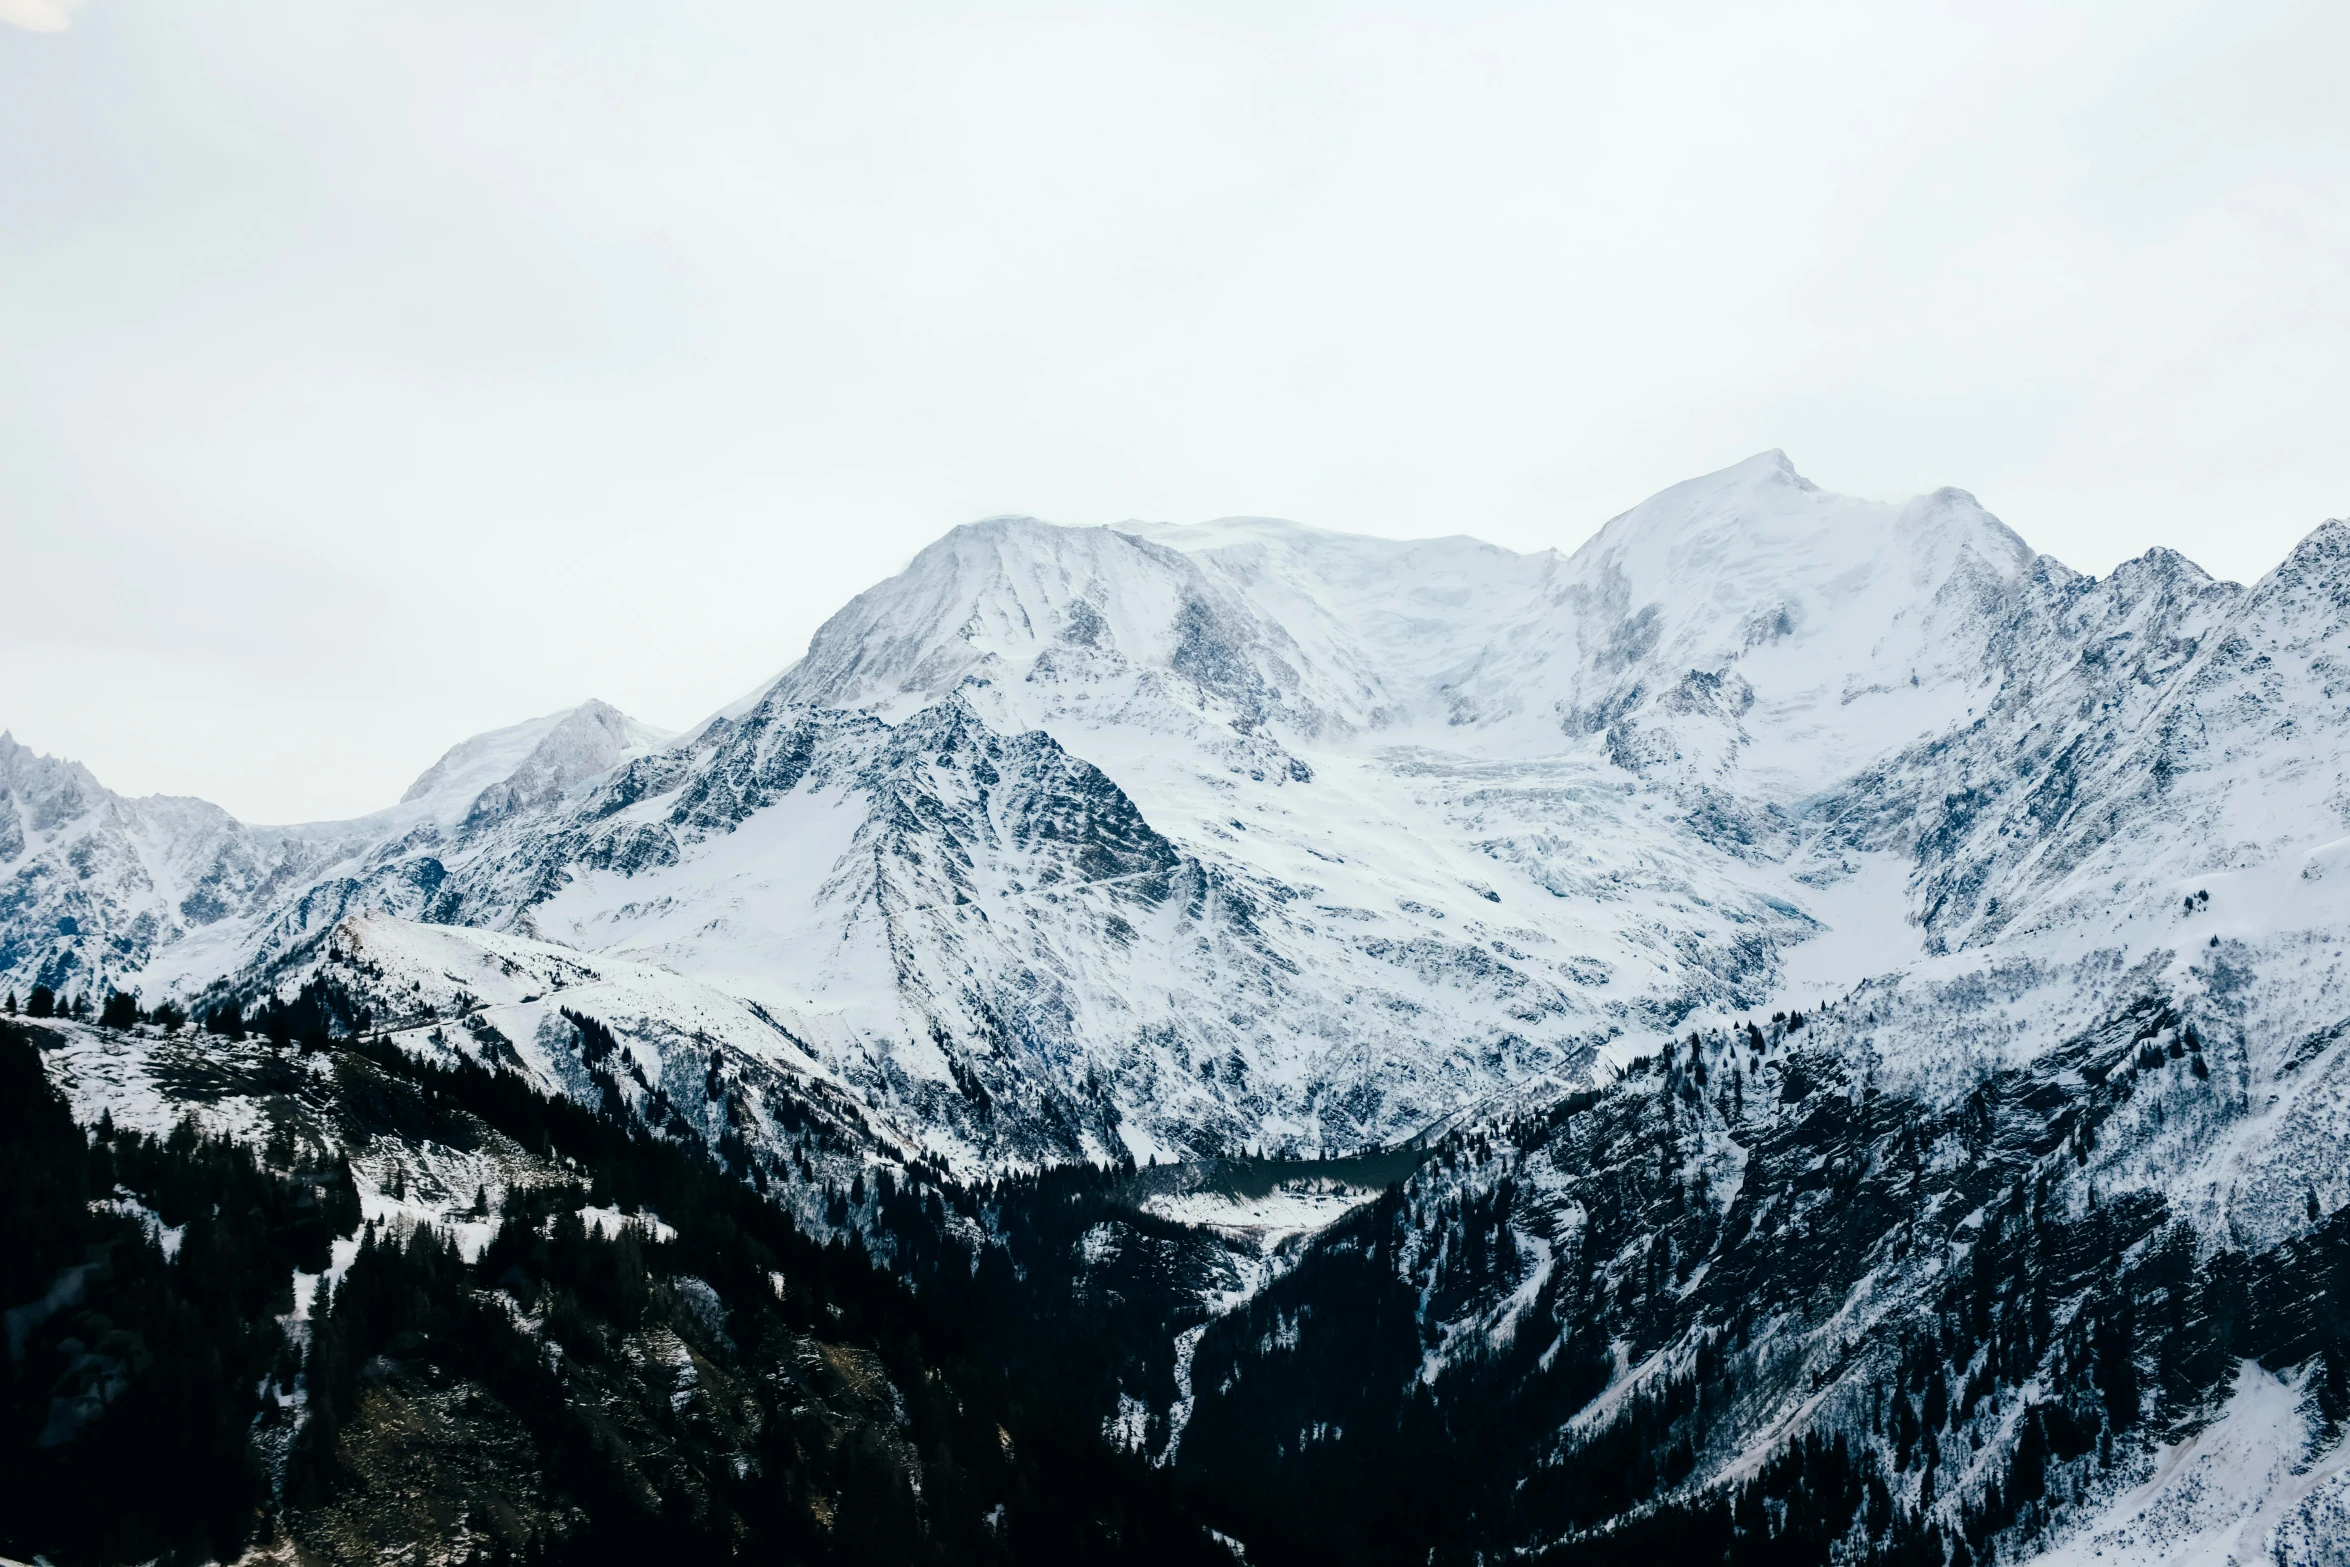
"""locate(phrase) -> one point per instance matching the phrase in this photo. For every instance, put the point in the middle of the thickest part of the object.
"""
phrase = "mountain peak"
(530, 762)
(33, 772)
(1765, 470)
(2326, 544)
(1771, 466)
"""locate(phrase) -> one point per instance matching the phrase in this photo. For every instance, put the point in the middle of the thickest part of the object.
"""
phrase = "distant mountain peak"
(529, 762)
(1773, 465)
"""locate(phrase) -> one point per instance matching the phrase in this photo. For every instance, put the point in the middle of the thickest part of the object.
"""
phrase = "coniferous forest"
(729, 1389)
(638, 1347)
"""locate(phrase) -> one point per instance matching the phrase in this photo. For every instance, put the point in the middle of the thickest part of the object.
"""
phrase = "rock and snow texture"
(1067, 842)
(2014, 1307)
(2240, 1491)
(167, 894)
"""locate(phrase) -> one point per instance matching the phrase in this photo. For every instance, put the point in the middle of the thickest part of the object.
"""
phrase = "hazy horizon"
(379, 377)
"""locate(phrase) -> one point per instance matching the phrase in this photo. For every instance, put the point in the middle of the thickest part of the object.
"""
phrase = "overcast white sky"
(372, 374)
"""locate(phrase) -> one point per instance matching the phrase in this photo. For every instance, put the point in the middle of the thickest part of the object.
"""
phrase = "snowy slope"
(2238, 1491)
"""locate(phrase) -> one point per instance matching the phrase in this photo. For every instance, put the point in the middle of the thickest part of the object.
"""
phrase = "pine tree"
(121, 1011)
(41, 1003)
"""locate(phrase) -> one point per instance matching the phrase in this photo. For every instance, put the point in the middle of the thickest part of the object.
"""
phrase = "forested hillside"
(707, 1385)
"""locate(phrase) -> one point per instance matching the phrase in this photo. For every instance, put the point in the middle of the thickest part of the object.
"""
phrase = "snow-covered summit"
(1744, 621)
(1749, 622)
(1013, 600)
(528, 764)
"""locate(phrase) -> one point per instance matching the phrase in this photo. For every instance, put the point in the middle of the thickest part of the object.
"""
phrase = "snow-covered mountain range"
(1858, 1007)
(1072, 842)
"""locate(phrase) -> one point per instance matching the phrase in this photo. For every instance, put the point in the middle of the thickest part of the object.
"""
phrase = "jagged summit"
(49, 786)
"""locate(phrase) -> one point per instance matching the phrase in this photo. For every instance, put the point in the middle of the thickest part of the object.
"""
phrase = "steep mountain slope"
(1973, 806)
(1755, 1304)
(1471, 891)
(988, 933)
(2226, 764)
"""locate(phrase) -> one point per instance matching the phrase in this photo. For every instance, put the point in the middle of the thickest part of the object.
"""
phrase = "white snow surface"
(1268, 1220)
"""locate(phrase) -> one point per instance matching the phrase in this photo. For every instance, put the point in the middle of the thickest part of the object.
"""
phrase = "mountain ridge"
(1456, 819)
(1858, 1012)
